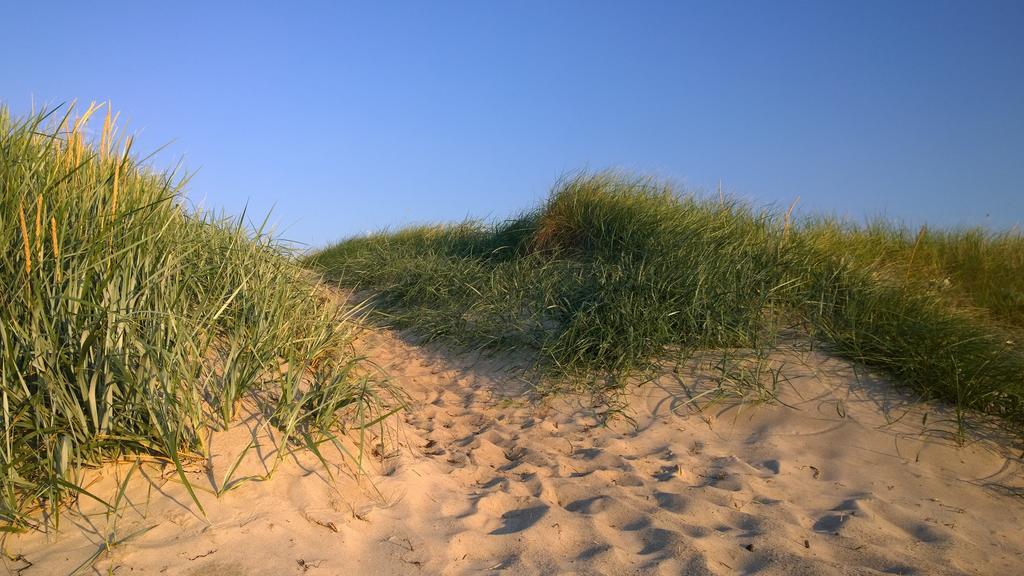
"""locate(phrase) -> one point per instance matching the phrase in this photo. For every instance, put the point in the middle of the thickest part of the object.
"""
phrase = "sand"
(842, 475)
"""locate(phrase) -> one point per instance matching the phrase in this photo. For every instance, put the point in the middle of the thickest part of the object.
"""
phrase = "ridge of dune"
(843, 475)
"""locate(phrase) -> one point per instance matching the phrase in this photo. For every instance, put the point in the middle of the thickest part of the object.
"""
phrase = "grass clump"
(130, 325)
(970, 268)
(614, 272)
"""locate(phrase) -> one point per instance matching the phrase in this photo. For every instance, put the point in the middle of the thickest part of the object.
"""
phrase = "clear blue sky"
(345, 118)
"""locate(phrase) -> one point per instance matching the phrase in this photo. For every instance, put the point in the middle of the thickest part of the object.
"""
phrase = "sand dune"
(842, 475)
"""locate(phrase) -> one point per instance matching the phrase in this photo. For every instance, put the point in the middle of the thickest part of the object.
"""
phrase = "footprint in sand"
(672, 502)
(772, 466)
(659, 540)
(591, 505)
(521, 519)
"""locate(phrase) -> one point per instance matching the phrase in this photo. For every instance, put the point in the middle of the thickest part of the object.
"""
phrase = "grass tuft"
(145, 324)
(614, 272)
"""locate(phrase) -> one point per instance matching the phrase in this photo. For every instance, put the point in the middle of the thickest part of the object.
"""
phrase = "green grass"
(130, 325)
(972, 268)
(614, 273)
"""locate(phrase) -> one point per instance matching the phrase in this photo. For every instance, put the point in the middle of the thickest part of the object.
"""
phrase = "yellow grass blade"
(789, 214)
(24, 238)
(84, 118)
(39, 225)
(105, 136)
(113, 201)
(56, 246)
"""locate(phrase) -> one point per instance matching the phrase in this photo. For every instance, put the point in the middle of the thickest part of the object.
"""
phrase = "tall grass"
(614, 272)
(971, 268)
(130, 325)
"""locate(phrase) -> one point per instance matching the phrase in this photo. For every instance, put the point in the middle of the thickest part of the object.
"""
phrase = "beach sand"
(842, 475)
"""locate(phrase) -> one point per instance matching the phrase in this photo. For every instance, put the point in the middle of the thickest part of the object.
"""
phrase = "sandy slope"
(849, 478)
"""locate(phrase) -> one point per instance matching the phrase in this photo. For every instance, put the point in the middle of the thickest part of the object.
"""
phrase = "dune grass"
(971, 268)
(132, 326)
(615, 272)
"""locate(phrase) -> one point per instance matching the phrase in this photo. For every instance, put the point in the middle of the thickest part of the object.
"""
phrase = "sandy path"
(849, 478)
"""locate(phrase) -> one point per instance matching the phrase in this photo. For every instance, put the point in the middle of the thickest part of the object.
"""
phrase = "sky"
(341, 118)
